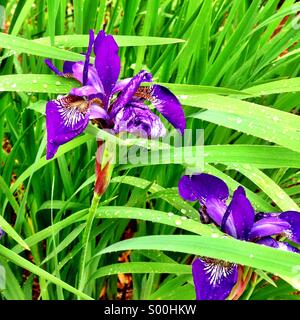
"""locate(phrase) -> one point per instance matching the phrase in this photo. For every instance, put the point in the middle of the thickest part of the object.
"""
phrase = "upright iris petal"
(215, 279)
(107, 62)
(239, 217)
(87, 58)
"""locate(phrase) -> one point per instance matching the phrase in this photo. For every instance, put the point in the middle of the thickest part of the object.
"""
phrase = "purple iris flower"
(215, 279)
(117, 105)
(2, 233)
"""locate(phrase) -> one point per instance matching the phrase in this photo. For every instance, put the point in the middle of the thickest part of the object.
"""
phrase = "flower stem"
(252, 287)
(86, 240)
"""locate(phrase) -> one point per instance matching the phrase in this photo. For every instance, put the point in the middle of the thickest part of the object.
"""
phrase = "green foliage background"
(235, 67)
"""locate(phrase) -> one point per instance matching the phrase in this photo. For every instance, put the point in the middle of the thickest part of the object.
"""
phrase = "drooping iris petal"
(130, 89)
(213, 279)
(107, 61)
(268, 227)
(270, 242)
(66, 118)
(185, 189)
(239, 217)
(169, 106)
(137, 119)
(293, 218)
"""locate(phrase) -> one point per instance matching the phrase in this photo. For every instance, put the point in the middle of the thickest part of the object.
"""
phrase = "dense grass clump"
(234, 66)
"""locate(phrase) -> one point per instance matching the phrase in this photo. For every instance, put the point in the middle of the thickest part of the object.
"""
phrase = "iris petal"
(268, 227)
(107, 62)
(239, 217)
(185, 189)
(84, 91)
(137, 119)
(270, 242)
(215, 208)
(52, 67)
(213, 279)
(208, 186)
(293, 218)
(2, 233)
(211, 192)
(66, 118)
(130, 90)
(87, 58)
(169, 106)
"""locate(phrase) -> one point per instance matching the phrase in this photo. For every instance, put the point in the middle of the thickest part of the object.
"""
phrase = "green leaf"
(12, 233)
(122, 41)
(43, 83)
(171, 219)
(141, 267)
(279, 262)
(260, 121)
(275, 87)
(20, 45)
(157, 191)
(266, 184)
(23, 263)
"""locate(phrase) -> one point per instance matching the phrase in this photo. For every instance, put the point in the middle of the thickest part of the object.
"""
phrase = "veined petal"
(66, 118)
(213, 279)
(168, 105)
(293, 218)
(270, 242)
(107, 62)
(239, 217)
(268, 227)
(137, 119)
(130, 89)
